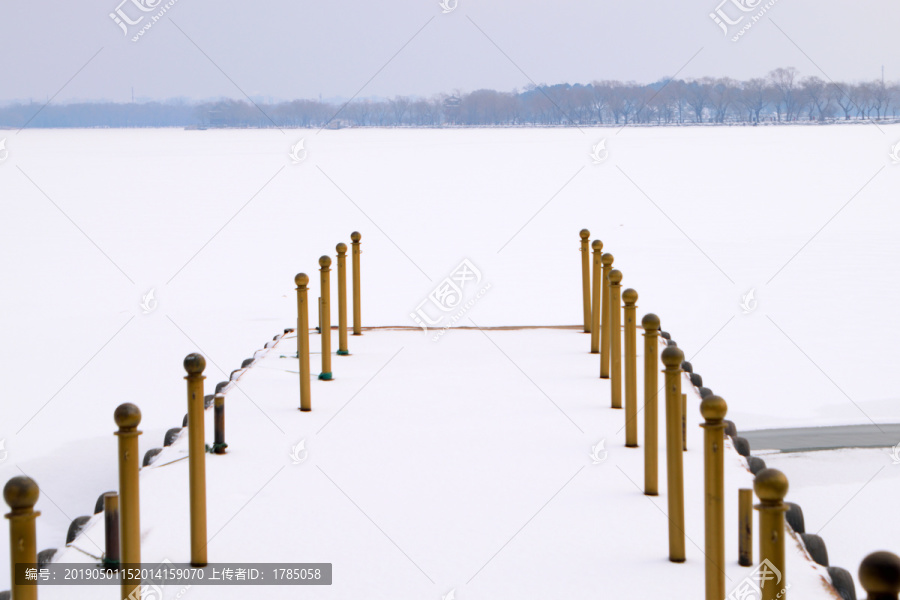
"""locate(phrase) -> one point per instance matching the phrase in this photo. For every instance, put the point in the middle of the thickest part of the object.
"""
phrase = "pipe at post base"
(219, 444)
(194, 365)
(745, 527)
(128, 417)
(713, 409)
(21, 494)
(672, 358)
(112, 557)
(342, 298)
(650, 323)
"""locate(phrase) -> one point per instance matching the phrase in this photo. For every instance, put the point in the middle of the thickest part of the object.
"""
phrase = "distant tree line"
(783, 96)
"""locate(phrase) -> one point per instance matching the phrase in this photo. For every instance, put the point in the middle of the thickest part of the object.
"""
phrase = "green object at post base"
(325, 376)
(111, 565)
(343, 353)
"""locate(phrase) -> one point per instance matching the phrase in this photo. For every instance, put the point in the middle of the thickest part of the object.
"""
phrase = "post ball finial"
(301, 279)
(615, 276)
(879, 573)
(324, 261)
(341, 248)
(596, 245)
(629, 296)
(713, 408)
(127, 416)
(355, 236)
(607, 259)
(672, 356)
(585, 234)
(650, 321)
(194, 363)
(21, 492)
(771, 485)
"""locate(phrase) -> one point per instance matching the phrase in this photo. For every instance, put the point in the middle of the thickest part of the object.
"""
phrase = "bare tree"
(698, 96)
(784, 80)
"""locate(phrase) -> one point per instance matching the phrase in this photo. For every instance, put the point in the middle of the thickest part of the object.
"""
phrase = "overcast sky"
(279, 49)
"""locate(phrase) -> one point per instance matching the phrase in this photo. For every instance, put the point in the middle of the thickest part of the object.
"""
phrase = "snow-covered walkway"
(427, 467)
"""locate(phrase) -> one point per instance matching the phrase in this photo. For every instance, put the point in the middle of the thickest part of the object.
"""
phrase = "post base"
(111, 565)
(631, 445)
(343, 353)
(356, 334)
(657, 494)
(306, 409)
(325, 376)
(604, 377)
(216, 448)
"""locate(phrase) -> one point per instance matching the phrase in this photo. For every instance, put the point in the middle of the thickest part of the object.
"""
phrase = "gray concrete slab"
(823, 438)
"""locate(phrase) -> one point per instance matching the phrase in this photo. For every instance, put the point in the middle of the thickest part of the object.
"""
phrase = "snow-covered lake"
(216, 224)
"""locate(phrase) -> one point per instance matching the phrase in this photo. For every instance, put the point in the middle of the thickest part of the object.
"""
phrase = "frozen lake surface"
(216, 224)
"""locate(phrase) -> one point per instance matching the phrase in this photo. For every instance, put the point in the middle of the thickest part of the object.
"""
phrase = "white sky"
(283, 50)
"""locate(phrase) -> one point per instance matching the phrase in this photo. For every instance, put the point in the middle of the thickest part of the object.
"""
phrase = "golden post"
(342, 298)
(325, 273)
(194, 364)
(684, 422)
(630, 297)
(357, 311)
(596, 319)
(745, 527)
(302, 280)
(771, 486)
(607, 261)
(879, 575)
(713, 409)
(614, 318)
(650, 323)
(21, 494)
(672, 358)
(128, 417)
(586, 279)
(112, 557)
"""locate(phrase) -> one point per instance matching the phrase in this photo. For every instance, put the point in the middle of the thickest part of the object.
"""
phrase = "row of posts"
(879, 573)
(603, 306)
(122, 510)
(302, 282)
